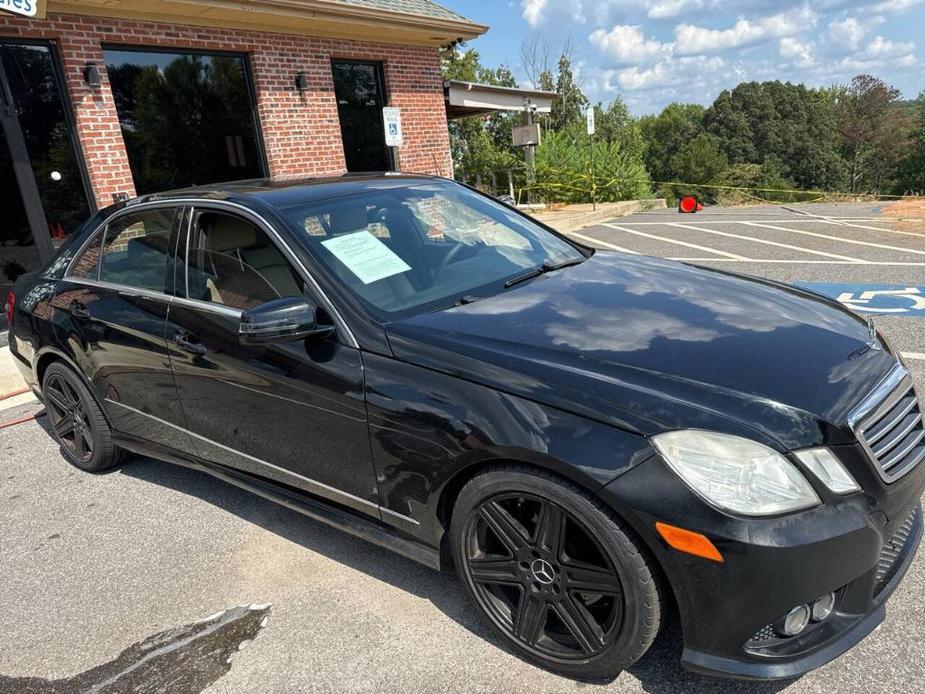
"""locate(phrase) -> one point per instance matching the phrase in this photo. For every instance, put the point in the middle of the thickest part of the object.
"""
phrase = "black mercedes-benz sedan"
(591, 439)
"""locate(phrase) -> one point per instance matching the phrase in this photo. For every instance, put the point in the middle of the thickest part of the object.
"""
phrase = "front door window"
(360, 98)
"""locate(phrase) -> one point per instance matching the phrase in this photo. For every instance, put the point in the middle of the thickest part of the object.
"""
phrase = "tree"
(910, 176)
(563, 165)
(614, 124)
(867, 123)
(570, 103)
(701, 160)
(791, 123)
(665, 134)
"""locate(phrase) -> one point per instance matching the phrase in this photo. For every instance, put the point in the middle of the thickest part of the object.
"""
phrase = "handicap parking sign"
(879, 299)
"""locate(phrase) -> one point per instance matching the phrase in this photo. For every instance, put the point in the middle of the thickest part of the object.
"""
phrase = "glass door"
(44, 186)
(360, 97)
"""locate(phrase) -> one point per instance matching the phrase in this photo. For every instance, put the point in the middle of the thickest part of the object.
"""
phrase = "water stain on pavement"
(183, 660)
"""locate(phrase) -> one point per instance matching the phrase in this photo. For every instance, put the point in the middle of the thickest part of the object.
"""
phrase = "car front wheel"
(553, 572)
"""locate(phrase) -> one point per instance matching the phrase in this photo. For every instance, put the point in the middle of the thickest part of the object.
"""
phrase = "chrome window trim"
(121, 288)
(892, 388)
(239, 209)
(331, 491)
(101, 229)
(229, 311)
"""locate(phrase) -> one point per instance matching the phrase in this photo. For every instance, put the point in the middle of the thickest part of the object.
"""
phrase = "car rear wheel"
(77, 422)
(554, 573)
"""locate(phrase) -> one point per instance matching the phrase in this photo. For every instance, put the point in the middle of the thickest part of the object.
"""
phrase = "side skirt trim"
(315, 509)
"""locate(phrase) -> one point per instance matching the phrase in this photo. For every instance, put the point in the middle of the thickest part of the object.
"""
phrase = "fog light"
(796, 620)
(823, 607)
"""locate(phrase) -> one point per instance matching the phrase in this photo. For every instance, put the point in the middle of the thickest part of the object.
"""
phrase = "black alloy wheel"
(69, 418)
(554, 572)
(77, 421)
(541, 575)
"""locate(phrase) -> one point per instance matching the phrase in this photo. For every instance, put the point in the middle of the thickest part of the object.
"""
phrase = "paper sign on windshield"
(366, 256)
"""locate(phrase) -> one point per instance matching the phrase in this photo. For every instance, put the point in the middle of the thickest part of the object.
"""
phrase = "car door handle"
(78, 310)
(189, 343)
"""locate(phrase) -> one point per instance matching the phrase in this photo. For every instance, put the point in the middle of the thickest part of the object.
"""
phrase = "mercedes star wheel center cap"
(543, 571)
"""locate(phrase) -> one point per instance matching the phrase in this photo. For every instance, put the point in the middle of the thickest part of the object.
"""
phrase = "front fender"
(428, 428)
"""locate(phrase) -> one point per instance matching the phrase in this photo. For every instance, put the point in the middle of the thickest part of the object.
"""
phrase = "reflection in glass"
(187, 118)
(17, 250)
(358, 89)
(30, 71)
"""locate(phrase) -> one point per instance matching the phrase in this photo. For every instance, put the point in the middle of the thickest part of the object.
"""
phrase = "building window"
(187, 118)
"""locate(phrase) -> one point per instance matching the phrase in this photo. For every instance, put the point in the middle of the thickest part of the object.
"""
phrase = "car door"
(111, 310)
(293, 412)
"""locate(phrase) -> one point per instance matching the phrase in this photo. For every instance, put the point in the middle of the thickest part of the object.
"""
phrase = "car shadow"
(658, 671)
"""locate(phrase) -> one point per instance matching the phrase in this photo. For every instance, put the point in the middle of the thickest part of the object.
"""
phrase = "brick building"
(103, 100)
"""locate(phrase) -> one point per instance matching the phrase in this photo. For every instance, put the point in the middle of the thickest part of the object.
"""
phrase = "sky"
(653, 52)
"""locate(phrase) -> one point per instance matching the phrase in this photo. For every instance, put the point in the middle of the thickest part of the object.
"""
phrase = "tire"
(524, 567)
(77, 422)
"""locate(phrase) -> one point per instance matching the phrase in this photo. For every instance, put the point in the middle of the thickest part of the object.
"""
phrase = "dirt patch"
(909, 215)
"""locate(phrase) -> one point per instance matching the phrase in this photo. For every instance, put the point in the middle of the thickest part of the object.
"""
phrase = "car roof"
(290, 192)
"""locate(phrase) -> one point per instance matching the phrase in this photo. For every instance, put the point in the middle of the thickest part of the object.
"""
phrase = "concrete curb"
(11, 383)
(566, 220)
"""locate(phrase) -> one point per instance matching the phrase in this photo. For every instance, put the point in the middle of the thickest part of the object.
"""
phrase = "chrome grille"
(894, 433)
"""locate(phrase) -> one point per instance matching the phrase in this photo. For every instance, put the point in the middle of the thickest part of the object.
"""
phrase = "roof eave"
(302, 17)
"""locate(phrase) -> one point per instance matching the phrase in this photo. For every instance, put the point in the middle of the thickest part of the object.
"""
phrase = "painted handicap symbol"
(885, 301)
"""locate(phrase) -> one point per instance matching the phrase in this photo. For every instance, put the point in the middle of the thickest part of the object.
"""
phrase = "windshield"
(412, 249)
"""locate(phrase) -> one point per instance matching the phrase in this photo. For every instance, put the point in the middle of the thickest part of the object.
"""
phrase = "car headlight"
(824, 465)
(736, 474)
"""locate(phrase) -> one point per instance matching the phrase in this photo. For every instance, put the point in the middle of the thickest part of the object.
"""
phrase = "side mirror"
(281, 320)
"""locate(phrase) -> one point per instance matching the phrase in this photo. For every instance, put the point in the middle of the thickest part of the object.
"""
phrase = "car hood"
(653, 345)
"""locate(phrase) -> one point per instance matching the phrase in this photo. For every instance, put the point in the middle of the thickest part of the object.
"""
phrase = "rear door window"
(136, 249)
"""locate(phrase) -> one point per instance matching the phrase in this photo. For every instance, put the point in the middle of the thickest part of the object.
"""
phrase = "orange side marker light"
(689, 542)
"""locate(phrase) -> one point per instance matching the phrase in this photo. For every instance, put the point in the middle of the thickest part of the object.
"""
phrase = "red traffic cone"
(689, 204)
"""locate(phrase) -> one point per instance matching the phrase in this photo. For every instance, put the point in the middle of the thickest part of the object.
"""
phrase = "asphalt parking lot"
(92, 564)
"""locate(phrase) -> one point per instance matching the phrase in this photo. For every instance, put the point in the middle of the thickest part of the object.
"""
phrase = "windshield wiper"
(542, 270)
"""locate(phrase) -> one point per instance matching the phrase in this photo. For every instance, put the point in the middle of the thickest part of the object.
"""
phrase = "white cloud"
(687, 71)
(627, 44)
(801, 54)
(891, 6)
(667, 9)
(537, 12)
(848, 32)
(880, 53)
(695, 40)
(884, 48)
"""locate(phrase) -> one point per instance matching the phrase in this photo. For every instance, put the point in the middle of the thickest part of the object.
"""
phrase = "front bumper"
(858, 547)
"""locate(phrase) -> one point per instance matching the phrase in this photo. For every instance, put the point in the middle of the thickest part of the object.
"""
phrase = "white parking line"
(801, 261)
(918, 356)
(766, 242)
(611, 246)
(731, 256)
(836, 238)
(792, 220)
(839, 222)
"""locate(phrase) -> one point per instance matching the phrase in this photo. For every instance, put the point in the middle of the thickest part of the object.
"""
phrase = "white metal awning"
(472, 99)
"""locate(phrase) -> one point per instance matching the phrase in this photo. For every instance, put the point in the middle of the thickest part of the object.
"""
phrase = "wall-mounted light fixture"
(92, 75)
(301, 82)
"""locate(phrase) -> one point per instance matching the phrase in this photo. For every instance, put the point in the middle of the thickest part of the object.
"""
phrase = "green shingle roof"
(423, 8)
